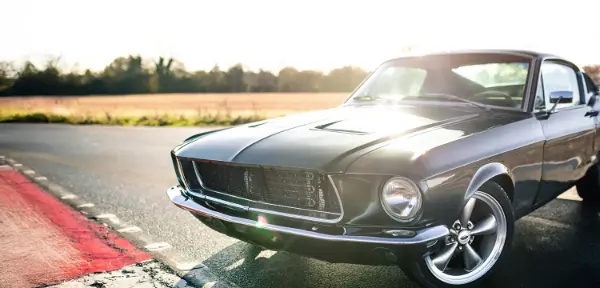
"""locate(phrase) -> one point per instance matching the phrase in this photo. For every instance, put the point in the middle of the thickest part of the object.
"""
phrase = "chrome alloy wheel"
(475, 242)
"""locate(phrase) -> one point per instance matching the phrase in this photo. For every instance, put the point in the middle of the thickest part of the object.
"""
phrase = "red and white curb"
(145, 268)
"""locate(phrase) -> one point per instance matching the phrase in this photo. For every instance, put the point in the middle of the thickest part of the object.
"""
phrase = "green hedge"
(159, 120)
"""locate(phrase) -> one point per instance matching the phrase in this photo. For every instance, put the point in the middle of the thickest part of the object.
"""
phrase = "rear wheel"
(588, 187)
(476, 243)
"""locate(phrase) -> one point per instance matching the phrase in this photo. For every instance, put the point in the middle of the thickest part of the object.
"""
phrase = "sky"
(271, 34)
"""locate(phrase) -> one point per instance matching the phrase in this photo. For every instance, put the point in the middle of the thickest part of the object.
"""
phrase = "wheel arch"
(496, 172)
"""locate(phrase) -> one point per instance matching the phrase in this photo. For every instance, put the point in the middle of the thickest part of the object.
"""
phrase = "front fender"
(484, 174)
(453, 188)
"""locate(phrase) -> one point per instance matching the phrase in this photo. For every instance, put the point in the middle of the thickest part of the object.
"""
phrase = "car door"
(569, 130)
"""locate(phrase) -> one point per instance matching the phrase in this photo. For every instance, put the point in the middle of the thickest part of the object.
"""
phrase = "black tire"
(588, 187)
(418, 271)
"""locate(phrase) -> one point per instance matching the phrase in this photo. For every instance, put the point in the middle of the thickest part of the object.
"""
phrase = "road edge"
(199, 275)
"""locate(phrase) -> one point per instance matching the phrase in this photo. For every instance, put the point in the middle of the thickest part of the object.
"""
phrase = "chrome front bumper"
(423, 236)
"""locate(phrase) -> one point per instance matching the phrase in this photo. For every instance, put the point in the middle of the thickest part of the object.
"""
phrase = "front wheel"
(476, 243)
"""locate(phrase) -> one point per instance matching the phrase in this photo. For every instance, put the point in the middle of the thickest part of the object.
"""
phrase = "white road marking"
(186, 266)
(570, 194)
(68, 196)
(157, 246)
(40, 178)
(85, 205)
(2, 157)
(29, 172)
(17, 164)
(111, 217)
(10, 160)
(101, 216)
(131, 229)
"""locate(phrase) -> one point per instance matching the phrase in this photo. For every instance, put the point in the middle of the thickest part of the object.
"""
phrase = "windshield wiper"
(454, 97)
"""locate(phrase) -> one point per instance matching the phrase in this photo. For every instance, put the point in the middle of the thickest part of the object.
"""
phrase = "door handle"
(592, 113)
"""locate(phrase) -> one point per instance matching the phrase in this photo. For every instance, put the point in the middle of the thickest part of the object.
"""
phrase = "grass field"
(164, 109)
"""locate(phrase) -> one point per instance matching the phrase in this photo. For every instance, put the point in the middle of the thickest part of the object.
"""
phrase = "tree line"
(135, 75)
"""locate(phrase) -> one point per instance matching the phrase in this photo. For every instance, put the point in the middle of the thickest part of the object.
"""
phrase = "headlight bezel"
(417, 210)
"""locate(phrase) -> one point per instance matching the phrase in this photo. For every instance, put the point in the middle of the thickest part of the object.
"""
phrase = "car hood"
(326, 140)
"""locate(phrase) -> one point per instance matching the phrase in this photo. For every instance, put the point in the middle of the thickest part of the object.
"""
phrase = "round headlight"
(401, 199)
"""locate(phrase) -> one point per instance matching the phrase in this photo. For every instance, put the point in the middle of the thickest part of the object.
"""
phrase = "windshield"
(492, 79)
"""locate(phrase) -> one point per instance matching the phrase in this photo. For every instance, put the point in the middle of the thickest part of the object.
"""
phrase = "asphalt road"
(126, 170)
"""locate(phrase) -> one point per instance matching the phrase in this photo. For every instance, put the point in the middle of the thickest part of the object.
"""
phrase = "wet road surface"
(126, 170)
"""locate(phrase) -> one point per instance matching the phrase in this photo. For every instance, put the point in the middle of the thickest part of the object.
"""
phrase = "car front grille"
(288, 188)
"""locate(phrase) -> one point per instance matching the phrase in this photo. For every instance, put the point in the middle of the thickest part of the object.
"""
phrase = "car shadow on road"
(556, 246)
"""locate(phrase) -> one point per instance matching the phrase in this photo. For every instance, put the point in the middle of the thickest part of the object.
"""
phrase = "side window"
(540, 103)
(557, 77)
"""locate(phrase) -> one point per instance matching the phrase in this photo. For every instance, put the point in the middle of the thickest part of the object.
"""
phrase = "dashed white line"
(570, 194)
(131, 229)
(41, 178)
(186, 266)
(17, 164)
(157, 246)
(29, 172)
(111, 217)
(101, 216)
(2, 157)
(68, 196)
(86, 205)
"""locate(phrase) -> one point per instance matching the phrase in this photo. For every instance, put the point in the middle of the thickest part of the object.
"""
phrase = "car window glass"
(559, 77)
(503, 84)
(399, 81)
(493, 79)
(540, 103)
(495, 74)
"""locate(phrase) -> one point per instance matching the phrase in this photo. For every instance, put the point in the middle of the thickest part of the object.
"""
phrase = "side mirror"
(561, 97)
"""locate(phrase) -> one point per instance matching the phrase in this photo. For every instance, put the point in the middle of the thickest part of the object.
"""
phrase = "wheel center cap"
(463, 237)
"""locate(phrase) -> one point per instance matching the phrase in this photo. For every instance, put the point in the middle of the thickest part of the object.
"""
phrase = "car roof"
(528, 53)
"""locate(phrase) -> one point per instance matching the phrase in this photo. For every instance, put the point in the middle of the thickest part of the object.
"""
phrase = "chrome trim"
(423, 236)
(272, 212)
(202, 196)
(223, 202)
(185, 182)
(264, 211)
(197, 173)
